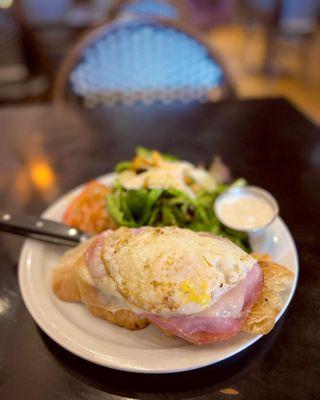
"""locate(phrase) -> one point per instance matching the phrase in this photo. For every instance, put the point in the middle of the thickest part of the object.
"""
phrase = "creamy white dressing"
(245, 211)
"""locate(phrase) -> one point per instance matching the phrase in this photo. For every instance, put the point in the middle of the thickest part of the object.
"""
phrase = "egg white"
(171, 270)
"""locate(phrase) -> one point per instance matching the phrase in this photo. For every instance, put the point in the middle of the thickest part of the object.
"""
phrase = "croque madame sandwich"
(193, 285)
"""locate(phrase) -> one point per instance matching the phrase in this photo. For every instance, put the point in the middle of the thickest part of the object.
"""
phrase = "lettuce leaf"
(163, 207)
(123, 166)
(167, 207)
(132, 208)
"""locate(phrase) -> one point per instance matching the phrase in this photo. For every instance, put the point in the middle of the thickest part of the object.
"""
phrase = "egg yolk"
(196, 294)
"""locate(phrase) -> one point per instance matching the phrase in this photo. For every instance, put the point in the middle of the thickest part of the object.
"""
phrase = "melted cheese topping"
(110, 297)
(172, 270)
(180, 175)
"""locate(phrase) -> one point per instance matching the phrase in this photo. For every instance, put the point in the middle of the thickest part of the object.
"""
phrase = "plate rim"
(45, 325)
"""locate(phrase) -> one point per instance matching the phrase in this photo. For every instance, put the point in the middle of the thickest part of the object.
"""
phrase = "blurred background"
(269, 47)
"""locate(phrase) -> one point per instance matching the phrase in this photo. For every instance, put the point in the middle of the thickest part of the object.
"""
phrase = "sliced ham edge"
(203, 329)
(93, 256)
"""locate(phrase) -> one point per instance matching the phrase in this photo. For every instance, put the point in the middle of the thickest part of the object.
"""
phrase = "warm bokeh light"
(42, 174)
(6, 3)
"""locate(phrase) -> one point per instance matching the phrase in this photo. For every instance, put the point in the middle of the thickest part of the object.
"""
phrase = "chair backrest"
(156, 8)
(141, 60)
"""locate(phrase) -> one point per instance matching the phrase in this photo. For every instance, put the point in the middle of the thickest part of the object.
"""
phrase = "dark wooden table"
(45, 152)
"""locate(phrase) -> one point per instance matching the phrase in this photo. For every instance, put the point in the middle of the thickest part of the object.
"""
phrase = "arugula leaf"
(163, 207)
(123, 166)
(151, 199)
(168, 217)
(114, 209)
(132, 207)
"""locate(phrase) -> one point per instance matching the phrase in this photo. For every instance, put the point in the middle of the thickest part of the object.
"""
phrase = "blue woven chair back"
(145, 61)
(158, 8)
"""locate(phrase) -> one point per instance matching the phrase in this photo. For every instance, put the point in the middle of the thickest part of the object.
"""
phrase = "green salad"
(158, 190)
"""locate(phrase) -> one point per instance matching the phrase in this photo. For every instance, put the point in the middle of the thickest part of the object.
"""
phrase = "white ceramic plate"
(147, 350)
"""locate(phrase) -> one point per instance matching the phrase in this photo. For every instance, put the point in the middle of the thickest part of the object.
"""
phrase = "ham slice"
(93, 256)
(223, 319)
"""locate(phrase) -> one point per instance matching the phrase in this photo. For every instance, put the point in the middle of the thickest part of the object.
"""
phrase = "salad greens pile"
(163, 207)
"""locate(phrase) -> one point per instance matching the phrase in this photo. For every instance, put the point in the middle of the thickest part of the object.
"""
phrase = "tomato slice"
(88, 210)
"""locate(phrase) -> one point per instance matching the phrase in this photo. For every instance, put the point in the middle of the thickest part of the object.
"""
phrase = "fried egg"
(172, 270)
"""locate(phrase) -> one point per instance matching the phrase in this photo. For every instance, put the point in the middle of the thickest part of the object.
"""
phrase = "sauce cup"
(248, 209)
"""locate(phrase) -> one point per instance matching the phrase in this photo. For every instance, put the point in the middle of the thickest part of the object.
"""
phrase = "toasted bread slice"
(63, 283)
(277, 278)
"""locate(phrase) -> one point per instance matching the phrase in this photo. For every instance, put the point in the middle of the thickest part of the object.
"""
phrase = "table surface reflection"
(46, 151)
